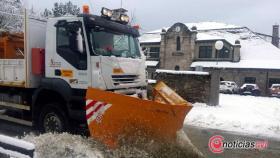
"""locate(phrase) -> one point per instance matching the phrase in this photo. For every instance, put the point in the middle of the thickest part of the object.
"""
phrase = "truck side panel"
(12, 72)
(36, 38)
(16, 56)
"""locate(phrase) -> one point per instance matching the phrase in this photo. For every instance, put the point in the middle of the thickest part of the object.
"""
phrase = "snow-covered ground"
(244, 114)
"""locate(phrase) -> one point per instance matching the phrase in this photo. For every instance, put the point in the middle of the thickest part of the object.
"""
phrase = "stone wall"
(193, 88)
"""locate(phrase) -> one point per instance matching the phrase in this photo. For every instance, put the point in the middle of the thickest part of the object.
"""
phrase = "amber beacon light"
(85, 9)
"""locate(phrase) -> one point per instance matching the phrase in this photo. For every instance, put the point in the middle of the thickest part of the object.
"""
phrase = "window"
(71, 44)
(178, 43)
(154, 52)
(153, 55)
(108, 43)
(274, 81)
(250, 80)
(177, 67)
(155, 49)
(224, 53)
(205, 52)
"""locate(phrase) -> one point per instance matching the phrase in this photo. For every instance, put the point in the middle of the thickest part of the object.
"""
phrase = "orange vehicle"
(11, 46)
(113, 117)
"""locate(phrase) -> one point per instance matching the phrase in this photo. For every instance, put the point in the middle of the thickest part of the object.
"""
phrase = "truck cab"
(93, 51)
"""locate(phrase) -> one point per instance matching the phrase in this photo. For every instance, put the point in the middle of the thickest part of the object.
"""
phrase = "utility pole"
(121, 3)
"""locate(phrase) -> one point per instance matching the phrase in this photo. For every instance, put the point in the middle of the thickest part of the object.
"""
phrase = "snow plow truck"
(85, 71)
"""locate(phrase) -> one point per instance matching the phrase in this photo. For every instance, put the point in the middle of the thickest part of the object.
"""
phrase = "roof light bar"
(124, 18)
(107, 12)
(118, 15)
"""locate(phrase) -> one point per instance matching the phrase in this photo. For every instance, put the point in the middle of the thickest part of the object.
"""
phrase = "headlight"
(107, 12)
(124, 18)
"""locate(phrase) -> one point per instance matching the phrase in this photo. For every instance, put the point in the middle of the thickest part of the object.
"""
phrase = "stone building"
(247, 57)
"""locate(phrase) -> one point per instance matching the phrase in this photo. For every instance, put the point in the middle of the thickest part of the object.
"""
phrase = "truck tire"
(53, 120)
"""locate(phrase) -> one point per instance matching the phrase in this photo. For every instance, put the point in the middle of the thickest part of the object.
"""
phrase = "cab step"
(15, 120)
(14, 105)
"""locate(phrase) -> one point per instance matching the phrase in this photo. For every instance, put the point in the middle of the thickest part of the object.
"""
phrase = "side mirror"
(80, 42)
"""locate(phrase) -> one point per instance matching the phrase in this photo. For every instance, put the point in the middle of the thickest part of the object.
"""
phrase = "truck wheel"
(53, 119)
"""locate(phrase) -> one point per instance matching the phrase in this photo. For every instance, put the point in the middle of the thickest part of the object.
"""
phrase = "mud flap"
(112, 117)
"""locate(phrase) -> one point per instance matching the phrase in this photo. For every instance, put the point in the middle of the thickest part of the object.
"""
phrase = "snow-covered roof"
(155, 37)
(245, 64)
(255, 51)
(150, 38)
(182, 72)
(152, 63)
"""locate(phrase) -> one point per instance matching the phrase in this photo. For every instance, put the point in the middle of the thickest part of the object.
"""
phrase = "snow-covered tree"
(47, 13)
(67, 8)
(11, 15)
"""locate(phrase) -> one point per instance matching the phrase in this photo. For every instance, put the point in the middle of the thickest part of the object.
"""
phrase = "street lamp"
(219, 46)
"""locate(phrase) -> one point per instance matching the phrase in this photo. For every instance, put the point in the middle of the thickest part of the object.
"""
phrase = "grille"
(125, 79)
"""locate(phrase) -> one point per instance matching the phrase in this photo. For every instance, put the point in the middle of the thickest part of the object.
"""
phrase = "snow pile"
(63, 146)
(67, 145)
(151, 63)
(244, 114)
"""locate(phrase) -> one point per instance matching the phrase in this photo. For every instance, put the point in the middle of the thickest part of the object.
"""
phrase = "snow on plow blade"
(112, 117)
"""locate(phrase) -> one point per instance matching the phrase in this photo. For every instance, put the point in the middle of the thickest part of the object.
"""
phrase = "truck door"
(70, 62)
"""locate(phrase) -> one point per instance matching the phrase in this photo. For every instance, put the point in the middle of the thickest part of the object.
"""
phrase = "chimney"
(275, 35)
(236, 51)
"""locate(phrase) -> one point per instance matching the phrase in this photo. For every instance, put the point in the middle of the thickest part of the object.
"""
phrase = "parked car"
(229, 87)
(250, 89)
(275, 90)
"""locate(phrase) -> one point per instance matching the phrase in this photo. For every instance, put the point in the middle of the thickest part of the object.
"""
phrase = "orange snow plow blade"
(112, 116)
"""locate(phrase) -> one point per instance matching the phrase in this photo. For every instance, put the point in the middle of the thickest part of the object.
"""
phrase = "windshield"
(108, 43)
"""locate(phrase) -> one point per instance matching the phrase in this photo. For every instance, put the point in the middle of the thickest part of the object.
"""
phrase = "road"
(198, 136)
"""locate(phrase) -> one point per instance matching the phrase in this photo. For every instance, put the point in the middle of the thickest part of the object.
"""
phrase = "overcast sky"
(259, 15)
